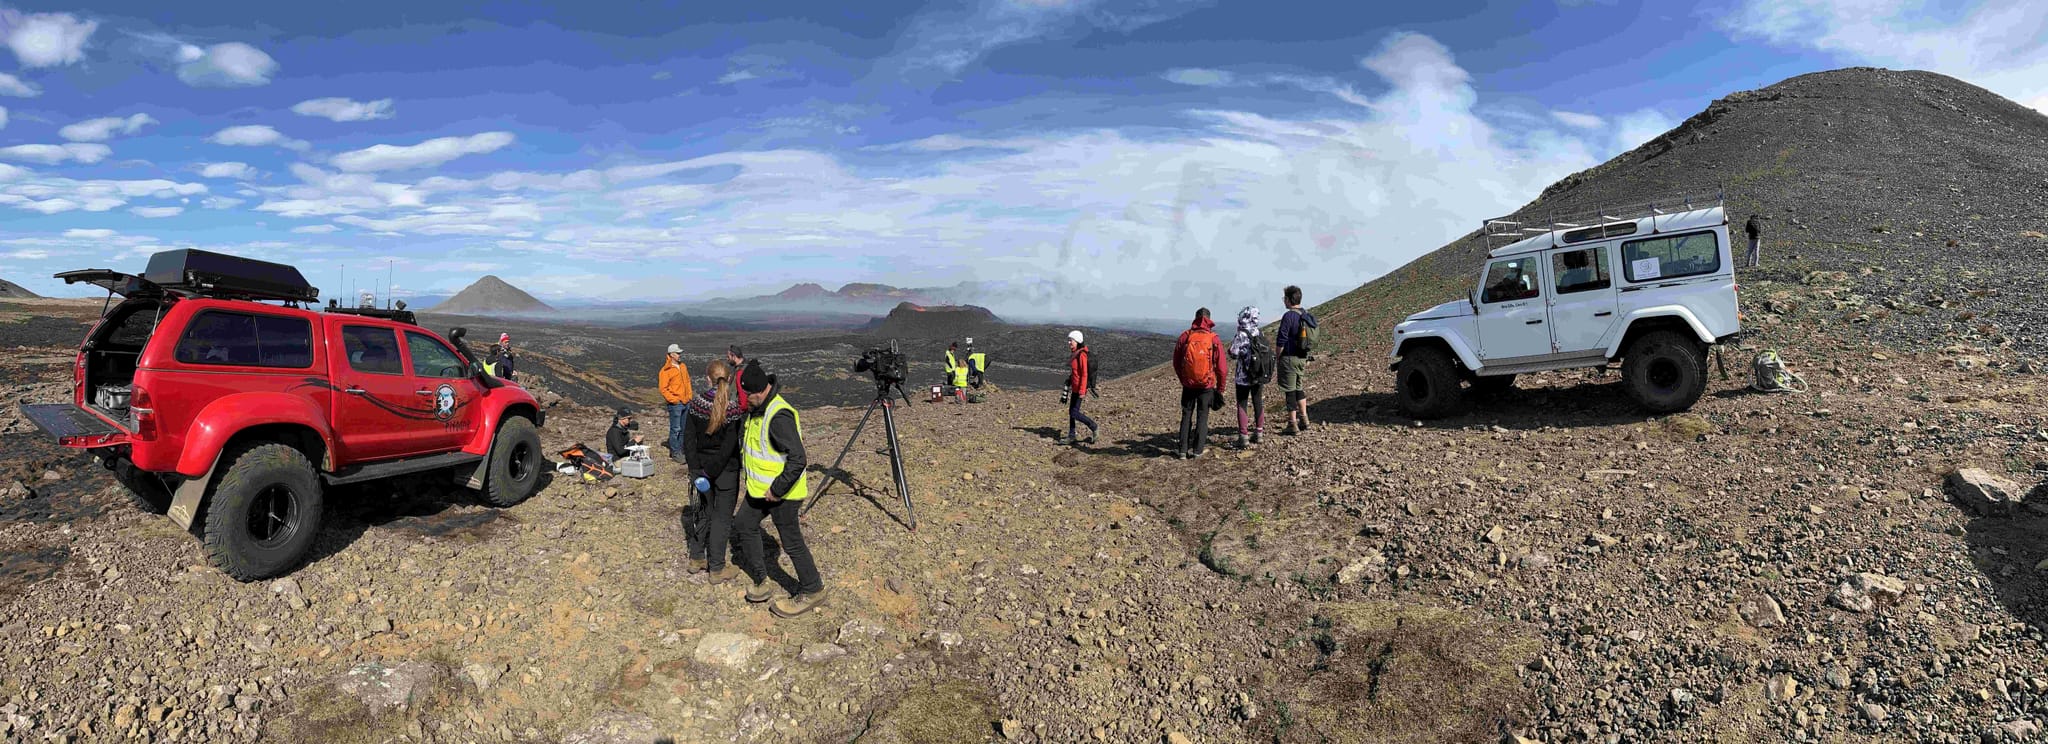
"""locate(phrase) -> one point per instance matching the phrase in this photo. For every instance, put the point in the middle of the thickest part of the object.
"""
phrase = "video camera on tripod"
(890, 369)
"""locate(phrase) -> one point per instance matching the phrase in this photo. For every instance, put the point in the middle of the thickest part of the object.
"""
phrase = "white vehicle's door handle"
(1603, 315)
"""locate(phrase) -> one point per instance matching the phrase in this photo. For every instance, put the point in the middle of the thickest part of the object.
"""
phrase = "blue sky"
(1151, 151)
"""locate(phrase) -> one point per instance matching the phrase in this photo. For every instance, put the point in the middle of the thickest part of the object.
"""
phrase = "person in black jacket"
(620, 435)
(776, 487)
(711, 448)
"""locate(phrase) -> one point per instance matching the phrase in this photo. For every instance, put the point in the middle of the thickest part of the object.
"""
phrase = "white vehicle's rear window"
(1671, 257)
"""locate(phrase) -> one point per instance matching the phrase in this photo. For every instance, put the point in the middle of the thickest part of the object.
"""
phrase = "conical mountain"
(492, 295)
(11, 291)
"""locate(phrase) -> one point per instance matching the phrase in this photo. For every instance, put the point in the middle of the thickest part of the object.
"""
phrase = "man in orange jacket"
(675, 389)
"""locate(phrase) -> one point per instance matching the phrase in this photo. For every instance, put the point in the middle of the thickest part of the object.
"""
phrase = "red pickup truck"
(215, 393)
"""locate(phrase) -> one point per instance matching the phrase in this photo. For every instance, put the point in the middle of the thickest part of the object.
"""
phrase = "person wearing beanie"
(1200, 362)
(1077, 388)
(772, 460)
(1254, 362)
(711, 447)
(621, 435)
(738, 359)
(674, 381)
(502, 368)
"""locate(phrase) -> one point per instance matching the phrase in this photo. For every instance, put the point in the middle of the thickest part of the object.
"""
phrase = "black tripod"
(882, 395)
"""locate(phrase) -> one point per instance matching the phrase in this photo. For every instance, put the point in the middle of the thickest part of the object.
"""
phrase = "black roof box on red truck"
(212, 274)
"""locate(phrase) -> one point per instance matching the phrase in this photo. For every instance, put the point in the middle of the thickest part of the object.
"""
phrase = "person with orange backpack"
(1199, 361)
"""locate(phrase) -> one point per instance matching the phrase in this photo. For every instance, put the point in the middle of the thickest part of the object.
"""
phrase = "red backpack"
(1194, 359)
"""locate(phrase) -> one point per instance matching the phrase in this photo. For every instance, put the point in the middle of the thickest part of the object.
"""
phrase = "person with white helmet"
(1077, 388)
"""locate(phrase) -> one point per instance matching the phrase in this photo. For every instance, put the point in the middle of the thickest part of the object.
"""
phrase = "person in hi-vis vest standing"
(772, 460)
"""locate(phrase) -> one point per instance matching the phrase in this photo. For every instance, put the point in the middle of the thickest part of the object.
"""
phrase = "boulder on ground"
(1983, 493)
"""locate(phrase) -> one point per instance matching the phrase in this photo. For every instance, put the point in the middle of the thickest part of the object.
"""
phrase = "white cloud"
(431, 152)
(2001, 45)
(343, 109)
(219, 202)
(51, 195)
(102, 129)
(315, 229)
(1577, 120)
(1200, 77)
(229, 65)
(1632, 130)
(54, 154)
(45, 39)
(156, 212)
(951, 36)
(90, 233)
(239, 171)
(255, 135)
(14, 86)
(736, 76)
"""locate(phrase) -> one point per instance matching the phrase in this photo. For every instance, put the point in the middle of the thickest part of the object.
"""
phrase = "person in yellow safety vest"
(977, 365)
(956, 373)
(772, 460)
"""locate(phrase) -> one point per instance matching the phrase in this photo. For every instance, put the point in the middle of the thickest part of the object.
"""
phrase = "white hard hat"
(674, 349)
(970, 340)
(1074, 336)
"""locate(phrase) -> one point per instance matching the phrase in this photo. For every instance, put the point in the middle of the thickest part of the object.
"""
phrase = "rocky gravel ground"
(1550, 566)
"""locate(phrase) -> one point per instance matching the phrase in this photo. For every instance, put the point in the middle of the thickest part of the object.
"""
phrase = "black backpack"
(1257, 363)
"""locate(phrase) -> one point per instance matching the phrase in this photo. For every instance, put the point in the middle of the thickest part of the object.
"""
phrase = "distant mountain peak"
(11, 291)
(491, 294)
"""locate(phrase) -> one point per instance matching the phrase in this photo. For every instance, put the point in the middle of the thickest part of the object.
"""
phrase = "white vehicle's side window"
(1511, 279)
(1580, 271)
(1672, 257)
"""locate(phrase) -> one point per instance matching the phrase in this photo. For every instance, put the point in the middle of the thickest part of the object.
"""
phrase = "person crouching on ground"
(675, 390)
(1251, 357)
(772, 456)
(620, 436)
(956, 374)
(1077, 388)
(1198, 359)
(711, 447)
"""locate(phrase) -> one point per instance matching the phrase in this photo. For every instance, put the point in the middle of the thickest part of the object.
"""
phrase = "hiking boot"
(761, 591)
(798, 604)
(699, 565)
(1255, 436)
(1180, 454)
(728, 573)
(1091, 437)
(1242, 442)
(1064, 439)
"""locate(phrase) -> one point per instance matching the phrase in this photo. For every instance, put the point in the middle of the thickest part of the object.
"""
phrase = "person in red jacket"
(1077, 388)
(1199, 360)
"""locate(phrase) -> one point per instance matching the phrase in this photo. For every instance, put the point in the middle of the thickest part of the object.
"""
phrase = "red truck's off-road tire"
(264, 512)
(1665, 371)
(516, 464)
(1426, 384)
(144, 488)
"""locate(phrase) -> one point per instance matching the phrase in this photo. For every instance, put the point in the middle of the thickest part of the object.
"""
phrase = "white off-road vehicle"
(1651, 286)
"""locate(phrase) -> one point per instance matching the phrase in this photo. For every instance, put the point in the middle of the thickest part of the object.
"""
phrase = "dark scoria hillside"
(1931, 193)
(491, 295)
(11, 291)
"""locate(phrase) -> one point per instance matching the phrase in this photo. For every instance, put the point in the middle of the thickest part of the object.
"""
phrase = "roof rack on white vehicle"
(1520, 226)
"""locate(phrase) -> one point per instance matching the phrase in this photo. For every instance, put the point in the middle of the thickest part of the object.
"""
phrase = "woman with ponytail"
(711, 443)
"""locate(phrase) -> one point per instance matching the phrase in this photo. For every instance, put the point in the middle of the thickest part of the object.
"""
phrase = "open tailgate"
(125, 285)
(74, 426)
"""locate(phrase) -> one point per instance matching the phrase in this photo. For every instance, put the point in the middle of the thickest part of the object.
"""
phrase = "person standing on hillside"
(1755, 229)
(738, 359)
(506, 360)
(772, 456)
(1254, 367)
(1292, 344)
(1199, 360)
(675, 388)
(711, 447)
(1077, 388)
(956, 373)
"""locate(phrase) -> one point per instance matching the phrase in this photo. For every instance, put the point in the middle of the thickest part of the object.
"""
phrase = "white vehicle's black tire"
(1665, 371)
(516, 464)
(264, 512)
(1426, 384)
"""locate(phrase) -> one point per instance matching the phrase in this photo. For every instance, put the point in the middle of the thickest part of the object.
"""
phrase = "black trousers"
(784, 515)
(707, 521)
(1074, 416)
(1194, 420)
